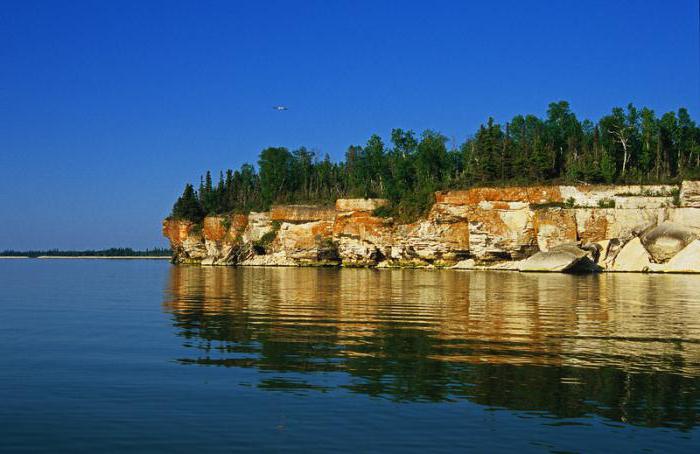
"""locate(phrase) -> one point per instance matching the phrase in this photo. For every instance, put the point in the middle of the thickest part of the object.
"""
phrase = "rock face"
(301, 213)
(306, 243)
(186, 241)
(545, 228)
(554, 227)
(690, 194)
(362, 239)
(347, 205)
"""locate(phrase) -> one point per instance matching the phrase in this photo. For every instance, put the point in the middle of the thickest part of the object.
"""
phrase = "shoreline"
(90, 257)
(444, 268)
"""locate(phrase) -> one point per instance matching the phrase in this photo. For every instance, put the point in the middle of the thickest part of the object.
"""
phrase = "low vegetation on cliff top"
(627, 146)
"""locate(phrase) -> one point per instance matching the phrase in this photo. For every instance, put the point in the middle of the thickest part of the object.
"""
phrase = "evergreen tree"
(628, 145)
(187, 206)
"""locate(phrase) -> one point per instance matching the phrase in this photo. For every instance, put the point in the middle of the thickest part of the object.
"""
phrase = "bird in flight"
(280, 108)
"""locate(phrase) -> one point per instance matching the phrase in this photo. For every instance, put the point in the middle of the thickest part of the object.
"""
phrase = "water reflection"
(625, 347)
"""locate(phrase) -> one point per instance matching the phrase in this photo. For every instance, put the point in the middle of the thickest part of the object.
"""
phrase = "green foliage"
(570, 203)
(629, 145)
(188, 206)
(263, 244)
(385, 211)
(548, 205)
(676, 197)
(606, 203)
(226, 223)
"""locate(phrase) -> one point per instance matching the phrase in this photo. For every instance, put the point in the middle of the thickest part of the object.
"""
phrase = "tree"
(275, 174)
(187, 206)
(627, 145)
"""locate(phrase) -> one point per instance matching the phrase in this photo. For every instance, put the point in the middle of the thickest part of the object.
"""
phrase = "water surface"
(144, 356)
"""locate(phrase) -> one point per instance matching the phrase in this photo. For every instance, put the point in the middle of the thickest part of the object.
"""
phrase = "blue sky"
(108, 108)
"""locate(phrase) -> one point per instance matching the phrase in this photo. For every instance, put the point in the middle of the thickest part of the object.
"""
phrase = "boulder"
(632, 257)
(505, 266)
(666, 240)
(562, 258)
(467, 264)
(686, 261)
(690, 194)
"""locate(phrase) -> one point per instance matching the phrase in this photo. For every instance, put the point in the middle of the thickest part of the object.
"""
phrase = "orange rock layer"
(486, 224)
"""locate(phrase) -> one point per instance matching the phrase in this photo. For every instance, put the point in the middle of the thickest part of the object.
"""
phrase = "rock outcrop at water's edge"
(546, 228)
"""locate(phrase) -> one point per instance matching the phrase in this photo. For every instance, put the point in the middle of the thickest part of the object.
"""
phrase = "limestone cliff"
(613, 228)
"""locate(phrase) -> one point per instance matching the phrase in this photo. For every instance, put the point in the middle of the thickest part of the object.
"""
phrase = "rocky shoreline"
(585, 228)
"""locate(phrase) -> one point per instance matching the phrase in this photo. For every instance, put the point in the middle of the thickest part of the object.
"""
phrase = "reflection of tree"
(560, 345)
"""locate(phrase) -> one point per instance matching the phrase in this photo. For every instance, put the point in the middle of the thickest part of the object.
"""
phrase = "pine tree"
(187, 206)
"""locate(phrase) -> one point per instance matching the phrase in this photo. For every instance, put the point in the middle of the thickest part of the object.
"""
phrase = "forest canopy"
(629, 145)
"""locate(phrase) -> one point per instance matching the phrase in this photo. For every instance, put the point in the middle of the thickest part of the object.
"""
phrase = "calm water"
(101, 356)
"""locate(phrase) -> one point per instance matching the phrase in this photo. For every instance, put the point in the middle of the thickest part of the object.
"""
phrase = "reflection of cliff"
(623, 346)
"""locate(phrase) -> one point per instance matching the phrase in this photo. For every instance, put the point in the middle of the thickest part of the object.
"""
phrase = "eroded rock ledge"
(546, 228)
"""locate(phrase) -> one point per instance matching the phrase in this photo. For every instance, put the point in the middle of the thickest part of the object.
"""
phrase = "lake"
(143, 356)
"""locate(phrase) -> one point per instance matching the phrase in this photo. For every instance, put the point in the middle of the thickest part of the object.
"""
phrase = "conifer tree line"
(629, 145)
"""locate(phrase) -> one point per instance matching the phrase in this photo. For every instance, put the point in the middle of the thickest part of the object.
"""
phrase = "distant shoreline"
(91, 257)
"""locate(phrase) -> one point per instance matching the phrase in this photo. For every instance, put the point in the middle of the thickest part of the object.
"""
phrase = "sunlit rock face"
(499, 221)
(368, 205)
(186, 241)
(690, 194)
(430, 243)
(554, 227)
(301, 213)
(687, 217)
(258, 225)
(308, 242)
(361, 238)
(222, 238)
(623, 196)
(528, 195)
(630, 228)
(598, 224)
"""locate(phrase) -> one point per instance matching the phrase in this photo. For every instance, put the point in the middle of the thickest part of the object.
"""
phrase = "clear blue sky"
(108, 108)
